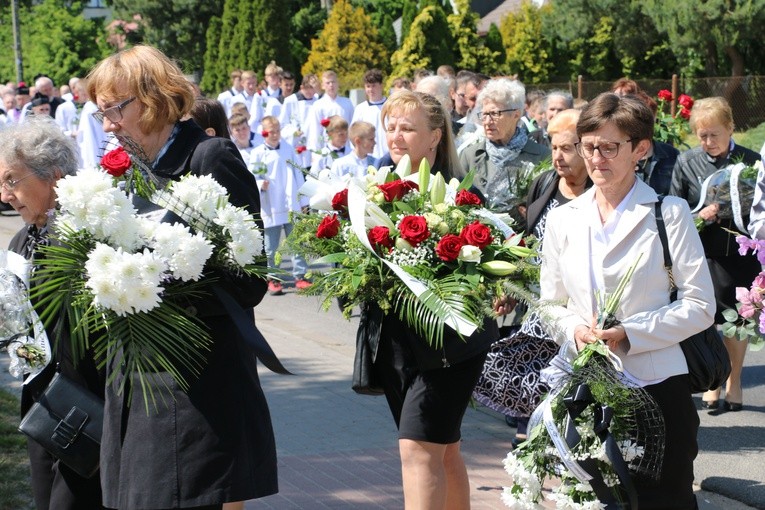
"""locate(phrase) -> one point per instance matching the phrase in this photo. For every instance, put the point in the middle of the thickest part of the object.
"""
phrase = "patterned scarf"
(502, 155)
(35, 237)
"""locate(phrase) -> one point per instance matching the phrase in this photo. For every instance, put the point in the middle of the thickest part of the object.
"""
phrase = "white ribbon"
(356, 207)
(564, 452)
(21, 267)
(735, 172)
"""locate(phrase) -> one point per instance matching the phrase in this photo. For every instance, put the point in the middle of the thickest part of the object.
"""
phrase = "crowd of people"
(593, 209)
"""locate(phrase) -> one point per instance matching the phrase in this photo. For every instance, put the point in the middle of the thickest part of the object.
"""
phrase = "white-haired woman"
(34, 155)
(497, 157)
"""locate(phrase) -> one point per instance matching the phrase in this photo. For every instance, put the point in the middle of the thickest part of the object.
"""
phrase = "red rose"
(395, 190)
(300, 149)
(665, 95)
(324, 123)
(380, 237)
(465, 197)
(685, 101)
(477, 234)
(116, 162)
(329, 227)
(340, 201)
(264, 133)
(414, 229)
(448, 248)
(685, 113)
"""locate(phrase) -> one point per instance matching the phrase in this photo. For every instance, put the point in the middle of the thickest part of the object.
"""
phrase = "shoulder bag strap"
(665, 246)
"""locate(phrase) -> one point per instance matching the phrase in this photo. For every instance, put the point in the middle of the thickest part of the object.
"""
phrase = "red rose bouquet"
(672, 129)
(413, 244)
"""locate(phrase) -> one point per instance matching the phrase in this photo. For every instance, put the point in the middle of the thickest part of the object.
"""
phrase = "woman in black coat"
(712, 123)
(213, 443)
(34, 155)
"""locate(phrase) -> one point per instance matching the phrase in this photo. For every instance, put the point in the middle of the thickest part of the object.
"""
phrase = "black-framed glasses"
(495, 115)
(11, 184)
(608, 150)
(113, 113)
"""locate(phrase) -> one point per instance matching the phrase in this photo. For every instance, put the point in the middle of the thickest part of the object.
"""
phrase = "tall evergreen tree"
(428, 45)
(349, 44)
(214, 78)
(252, 34)
(388, 34)
(494, 42)
(469, 50)
(407, 18)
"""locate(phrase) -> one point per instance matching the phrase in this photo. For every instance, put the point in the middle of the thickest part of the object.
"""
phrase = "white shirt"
(327, 156)
(368, 112)
(91, 137)
(351, 164)
(68, 118)
(281, 196)
(324, 108)
(225, 98)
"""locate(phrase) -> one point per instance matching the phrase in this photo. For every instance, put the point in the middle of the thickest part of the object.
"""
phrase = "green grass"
(15, 489)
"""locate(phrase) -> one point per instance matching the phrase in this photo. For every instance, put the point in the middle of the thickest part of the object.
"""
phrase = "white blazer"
(654, 326)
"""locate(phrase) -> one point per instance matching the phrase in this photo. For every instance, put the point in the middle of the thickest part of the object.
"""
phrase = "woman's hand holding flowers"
(504, 305)
(709, 213)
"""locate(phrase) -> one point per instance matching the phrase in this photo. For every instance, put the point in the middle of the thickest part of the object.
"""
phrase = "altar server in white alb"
(337, 145)
(274, 168)
(355, 163)
(328, 105)
(293, 116)
(369, 110)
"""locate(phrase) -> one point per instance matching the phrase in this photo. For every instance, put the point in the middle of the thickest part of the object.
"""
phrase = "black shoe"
(516, 442)
(733, 407)
(511, 421)
(705, 404)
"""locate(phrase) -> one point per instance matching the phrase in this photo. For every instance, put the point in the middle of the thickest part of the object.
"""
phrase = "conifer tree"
(214, 78)
(469, 50)
(388, 34)
(494, 42)
(349, 44)
(428, 45)
(407, 18)
(528, 54)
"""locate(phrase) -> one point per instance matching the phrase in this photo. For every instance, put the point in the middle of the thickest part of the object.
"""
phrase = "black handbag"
(67, 421)
(706, 355)
(365, 380)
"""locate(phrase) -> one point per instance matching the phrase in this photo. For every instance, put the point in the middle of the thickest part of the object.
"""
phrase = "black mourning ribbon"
(576, 402)
(35, 237)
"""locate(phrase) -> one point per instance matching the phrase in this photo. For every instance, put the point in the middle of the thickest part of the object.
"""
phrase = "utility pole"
(17, 40)
(327, 4)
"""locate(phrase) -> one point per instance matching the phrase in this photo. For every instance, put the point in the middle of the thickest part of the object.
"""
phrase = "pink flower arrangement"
(747, 322)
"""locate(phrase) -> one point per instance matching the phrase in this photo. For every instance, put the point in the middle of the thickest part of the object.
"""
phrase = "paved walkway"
(338, 450)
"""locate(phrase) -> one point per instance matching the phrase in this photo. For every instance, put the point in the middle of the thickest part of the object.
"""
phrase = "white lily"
(376, 217)
(404, 167)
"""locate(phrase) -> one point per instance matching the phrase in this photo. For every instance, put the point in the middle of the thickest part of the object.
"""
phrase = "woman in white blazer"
(589, 245)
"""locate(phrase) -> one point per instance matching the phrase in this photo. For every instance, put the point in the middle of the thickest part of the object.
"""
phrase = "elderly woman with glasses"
(213, 443)
(34, 155)
(589, 245)
(498, 156)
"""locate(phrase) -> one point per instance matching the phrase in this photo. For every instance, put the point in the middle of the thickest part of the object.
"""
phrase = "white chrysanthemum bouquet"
(126, 268)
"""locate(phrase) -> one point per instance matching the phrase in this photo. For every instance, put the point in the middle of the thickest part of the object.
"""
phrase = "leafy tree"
(177, 27)
(349, 44)
(428, 45)
(494, 42)
(527, 53)
(252, 34)
(469, 50)
(713, 37)
(605, 39)
(55, 40)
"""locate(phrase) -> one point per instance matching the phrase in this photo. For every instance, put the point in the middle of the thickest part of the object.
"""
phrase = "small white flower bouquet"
(125, 279)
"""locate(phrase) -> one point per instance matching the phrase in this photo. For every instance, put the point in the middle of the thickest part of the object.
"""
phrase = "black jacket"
(691, 169)
(214, 443)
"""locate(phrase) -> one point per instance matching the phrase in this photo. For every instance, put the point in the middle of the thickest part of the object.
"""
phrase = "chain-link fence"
(746, 94)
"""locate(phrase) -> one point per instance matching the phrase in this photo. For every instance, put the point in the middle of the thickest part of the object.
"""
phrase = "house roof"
(495, 15)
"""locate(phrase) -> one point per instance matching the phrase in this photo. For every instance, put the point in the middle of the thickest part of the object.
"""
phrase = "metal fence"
(746, 94)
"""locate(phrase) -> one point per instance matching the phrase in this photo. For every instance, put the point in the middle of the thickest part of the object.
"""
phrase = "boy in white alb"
(278, 182)
(337, 146)
(369, 110)
(362, 135)
(226, 96)
(293, 116)
(242, 136)
(328, 105)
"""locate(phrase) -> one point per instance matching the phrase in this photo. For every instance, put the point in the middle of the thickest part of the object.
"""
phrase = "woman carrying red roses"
(427, 389)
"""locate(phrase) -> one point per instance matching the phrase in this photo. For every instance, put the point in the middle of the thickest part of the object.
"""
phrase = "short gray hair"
(438, 88)
(562, 94)
(503, 91)
(40, 145)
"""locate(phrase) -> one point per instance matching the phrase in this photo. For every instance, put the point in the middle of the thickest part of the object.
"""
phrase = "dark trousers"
(56, 487)
(674, 490)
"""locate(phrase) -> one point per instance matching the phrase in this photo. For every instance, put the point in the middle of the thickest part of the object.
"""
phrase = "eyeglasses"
(464, 96)
(114, 113)
(608, 150)
(484, 116)
(11, 184)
